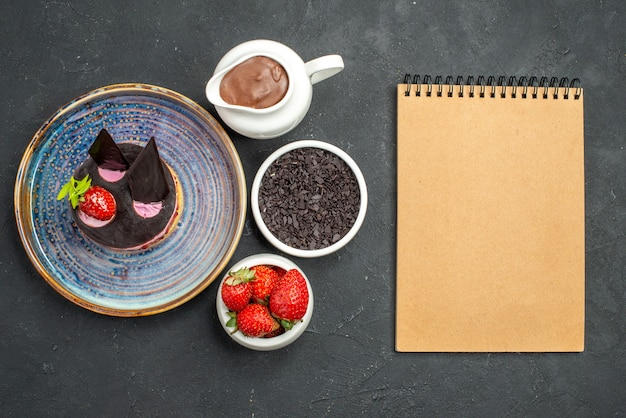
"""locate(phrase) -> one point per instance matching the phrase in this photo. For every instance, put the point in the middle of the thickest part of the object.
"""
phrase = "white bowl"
(256, 212)
(259, 343)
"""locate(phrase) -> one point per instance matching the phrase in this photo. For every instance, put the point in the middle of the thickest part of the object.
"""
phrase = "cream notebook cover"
(490, 216)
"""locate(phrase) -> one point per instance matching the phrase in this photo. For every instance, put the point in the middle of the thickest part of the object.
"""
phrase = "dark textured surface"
(57, 359)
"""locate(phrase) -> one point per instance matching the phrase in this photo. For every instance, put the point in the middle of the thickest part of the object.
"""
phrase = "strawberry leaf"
(286, 324)
(232, 321)
(242, 275)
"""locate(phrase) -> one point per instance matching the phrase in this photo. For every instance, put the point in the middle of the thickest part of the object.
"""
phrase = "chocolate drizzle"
(107, 154)
(146, 177)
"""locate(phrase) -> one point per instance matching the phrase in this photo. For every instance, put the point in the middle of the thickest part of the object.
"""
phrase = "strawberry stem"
(287, 324)
(242, 275)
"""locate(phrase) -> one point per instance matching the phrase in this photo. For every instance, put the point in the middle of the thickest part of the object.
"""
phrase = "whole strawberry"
(290, 298)
(94, 201)
(98, 203)
(265, 278)
(237, 290)
(255, 320)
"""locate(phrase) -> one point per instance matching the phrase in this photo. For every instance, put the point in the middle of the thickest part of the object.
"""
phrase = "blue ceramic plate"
(132, 283)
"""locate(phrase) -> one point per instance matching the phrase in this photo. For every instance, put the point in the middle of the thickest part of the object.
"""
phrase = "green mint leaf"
(74, 190)
(74, 201)
(83, 185)
(64, 191)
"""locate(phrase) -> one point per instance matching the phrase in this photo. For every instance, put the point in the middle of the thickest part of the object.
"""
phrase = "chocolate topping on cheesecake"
(148, 181)
(107, 154)
(146, 177)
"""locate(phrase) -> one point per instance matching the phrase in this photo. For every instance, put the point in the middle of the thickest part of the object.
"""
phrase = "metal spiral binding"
(523, 87)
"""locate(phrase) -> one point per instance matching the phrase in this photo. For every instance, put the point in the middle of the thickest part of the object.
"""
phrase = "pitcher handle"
(323, 67)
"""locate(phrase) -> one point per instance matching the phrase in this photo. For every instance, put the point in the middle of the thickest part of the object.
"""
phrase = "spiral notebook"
(490, 215)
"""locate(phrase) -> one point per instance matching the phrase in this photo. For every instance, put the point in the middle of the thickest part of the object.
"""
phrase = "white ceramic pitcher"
(285, 115)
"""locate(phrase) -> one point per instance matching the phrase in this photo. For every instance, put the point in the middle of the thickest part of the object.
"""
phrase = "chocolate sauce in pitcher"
(258, 82)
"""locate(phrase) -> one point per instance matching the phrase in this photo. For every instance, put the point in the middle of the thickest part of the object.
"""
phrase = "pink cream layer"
(147, 210)
(92, 222)
(111, 175)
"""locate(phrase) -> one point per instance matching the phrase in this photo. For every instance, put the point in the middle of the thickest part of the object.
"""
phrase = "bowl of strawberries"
(264, 302)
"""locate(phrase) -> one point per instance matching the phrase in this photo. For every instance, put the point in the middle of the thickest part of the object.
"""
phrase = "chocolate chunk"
(106, 153)
(146, 177)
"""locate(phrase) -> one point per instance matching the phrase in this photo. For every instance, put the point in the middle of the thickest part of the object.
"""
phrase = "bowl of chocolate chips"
(309, 198)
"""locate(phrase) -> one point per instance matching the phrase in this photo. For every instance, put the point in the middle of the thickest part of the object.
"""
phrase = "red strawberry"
(290, 298)
(93, 201)
(265, 278)
(236, 289)
(281, 271)
(255, 321)
(98, 203)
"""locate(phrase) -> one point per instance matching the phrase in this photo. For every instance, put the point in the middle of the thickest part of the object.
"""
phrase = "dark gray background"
(57, 359)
